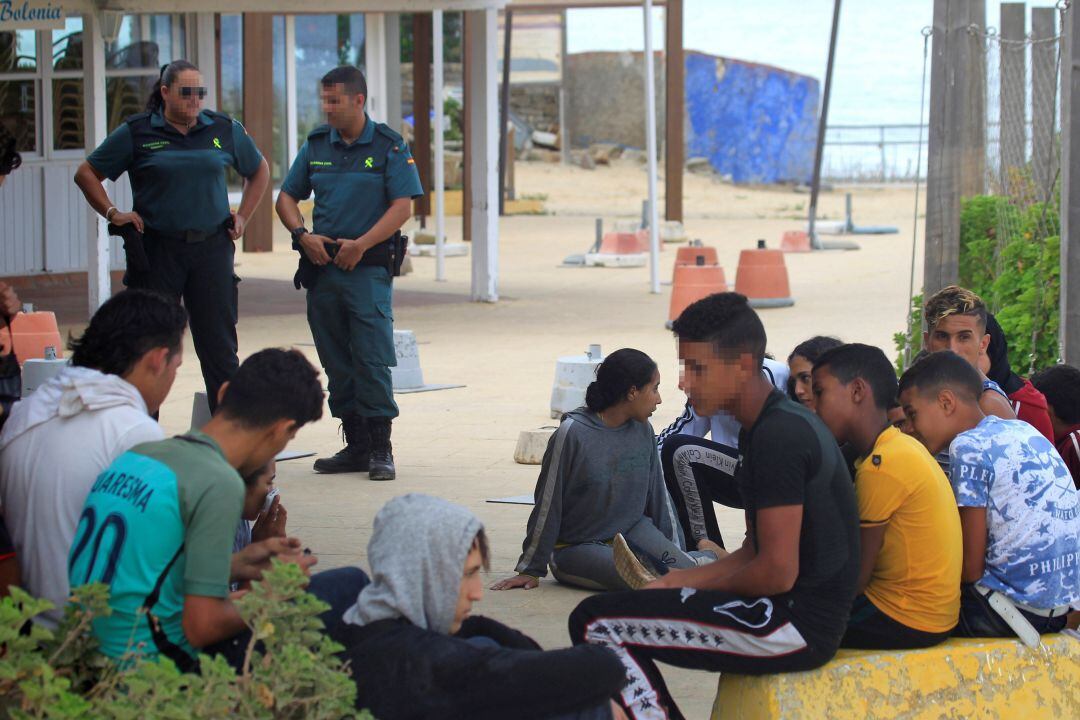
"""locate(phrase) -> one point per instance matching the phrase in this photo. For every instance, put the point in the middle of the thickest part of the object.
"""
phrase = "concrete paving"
(459, 443)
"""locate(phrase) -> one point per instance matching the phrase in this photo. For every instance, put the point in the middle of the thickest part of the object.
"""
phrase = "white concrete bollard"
(200, 410)
(672, 231)
(38, 371)
(532, 444)
(407, 374)
(573, 373)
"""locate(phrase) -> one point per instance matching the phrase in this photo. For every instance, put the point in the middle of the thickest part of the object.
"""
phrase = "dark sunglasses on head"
(189, 91)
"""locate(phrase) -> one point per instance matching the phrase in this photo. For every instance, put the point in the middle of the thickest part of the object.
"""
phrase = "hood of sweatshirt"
(998, 352)
(417, 555)
(587, 417)
(74, 390)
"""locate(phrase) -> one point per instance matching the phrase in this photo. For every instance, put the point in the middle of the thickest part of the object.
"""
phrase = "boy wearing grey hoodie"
(416, 652)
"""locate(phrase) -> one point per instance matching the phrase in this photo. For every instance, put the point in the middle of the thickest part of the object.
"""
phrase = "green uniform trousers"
(353, 325)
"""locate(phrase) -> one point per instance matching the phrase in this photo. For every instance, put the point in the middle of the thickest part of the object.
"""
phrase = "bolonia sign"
(31, 15)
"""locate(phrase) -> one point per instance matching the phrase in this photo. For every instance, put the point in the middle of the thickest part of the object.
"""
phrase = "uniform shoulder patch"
(319, 130)
(221, 117)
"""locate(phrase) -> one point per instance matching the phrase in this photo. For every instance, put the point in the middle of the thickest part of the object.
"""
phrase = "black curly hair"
(727, 321)
(271, 385)
(129, 325)
(10, 159)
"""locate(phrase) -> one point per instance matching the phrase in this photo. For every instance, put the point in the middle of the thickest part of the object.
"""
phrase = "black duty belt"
(191, 236)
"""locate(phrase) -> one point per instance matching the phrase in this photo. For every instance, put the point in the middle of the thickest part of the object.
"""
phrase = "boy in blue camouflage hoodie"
(1019, 509)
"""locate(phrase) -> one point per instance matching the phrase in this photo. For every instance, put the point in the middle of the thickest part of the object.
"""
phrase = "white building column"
(206, 54)
(375, 65)
(484, 146)
(97, 238)
(392, 59)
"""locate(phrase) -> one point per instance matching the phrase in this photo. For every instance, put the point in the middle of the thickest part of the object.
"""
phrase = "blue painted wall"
(756, 123)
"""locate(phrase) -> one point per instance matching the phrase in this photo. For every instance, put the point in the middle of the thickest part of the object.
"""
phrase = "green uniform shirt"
(354, 183)
(152, 500)
(178, 181)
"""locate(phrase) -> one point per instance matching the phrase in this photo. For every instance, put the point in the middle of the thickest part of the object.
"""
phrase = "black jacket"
(405, 673)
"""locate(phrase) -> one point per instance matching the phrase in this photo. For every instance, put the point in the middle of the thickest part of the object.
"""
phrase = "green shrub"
(293, 673)
(1011, 257)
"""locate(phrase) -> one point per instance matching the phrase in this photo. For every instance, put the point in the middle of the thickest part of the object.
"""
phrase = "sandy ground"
(459, 444)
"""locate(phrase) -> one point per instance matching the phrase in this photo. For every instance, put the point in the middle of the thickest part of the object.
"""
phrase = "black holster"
(138, 264)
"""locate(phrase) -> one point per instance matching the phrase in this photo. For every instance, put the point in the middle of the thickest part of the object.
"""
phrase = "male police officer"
(364, 180)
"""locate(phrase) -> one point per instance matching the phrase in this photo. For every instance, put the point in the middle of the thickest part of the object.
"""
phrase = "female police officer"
(175, 155)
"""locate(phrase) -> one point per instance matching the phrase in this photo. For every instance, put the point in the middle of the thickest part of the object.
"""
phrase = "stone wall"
(535, 103)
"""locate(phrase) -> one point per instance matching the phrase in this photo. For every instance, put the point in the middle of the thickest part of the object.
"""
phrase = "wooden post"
(504, 103)
(674, 109)
(259, 118)
(973, 164)
(1070, 189)
(1043, 98)
(948, 108)
(468, 34)
(421, 148)
(1013, 91)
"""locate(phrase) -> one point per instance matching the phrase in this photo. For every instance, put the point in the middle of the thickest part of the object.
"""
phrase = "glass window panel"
(279, 162)
(232, 79)
(144, 41)
(18, 51)
(18, 112)
(323, 42)
(68, 114)
(67, 45)
(125, 96)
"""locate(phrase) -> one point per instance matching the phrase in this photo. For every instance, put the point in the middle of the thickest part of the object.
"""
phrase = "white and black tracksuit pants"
(697, 473)
(697, 629)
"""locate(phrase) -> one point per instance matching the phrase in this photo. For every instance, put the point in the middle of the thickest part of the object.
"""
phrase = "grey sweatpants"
(592, 565)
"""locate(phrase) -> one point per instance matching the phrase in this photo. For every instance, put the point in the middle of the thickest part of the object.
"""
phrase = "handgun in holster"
(138, 264)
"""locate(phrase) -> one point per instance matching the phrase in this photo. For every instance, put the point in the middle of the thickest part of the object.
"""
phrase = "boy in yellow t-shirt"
(909, 527)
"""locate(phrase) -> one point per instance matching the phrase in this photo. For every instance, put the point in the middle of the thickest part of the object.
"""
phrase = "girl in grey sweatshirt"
(601, 476)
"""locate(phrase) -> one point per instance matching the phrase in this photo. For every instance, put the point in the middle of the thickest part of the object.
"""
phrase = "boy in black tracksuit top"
(778, 604)
(416, 654)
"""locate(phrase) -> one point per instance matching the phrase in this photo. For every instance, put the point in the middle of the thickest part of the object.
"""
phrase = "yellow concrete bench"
(958, 679)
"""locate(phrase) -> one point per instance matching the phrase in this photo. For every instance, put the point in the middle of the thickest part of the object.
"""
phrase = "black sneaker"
(381, 466)
(356, 455)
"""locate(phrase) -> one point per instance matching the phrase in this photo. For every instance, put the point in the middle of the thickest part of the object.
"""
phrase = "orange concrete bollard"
(32, 333)
(689, 254)
(692, 283)
(619, 243)
(795, 241)
(762, 277)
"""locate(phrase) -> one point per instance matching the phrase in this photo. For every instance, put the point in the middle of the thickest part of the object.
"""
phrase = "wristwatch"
(296, 234)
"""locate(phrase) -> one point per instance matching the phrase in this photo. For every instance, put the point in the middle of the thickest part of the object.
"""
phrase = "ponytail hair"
(621, 370)
(9, 158)
(168, 76)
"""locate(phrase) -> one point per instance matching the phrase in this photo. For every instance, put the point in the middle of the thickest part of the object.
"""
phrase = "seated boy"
(698, 472)
(779, 603)
(1061, 386)
(417, 652)
(1027, 402)
(1018, 506)
(911, 546)
(158, 524)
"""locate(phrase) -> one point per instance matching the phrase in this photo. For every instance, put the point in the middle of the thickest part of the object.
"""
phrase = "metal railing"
(873, 153)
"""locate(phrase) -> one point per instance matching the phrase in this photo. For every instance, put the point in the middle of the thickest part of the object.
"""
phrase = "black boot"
(382, 453)
(356, 454)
